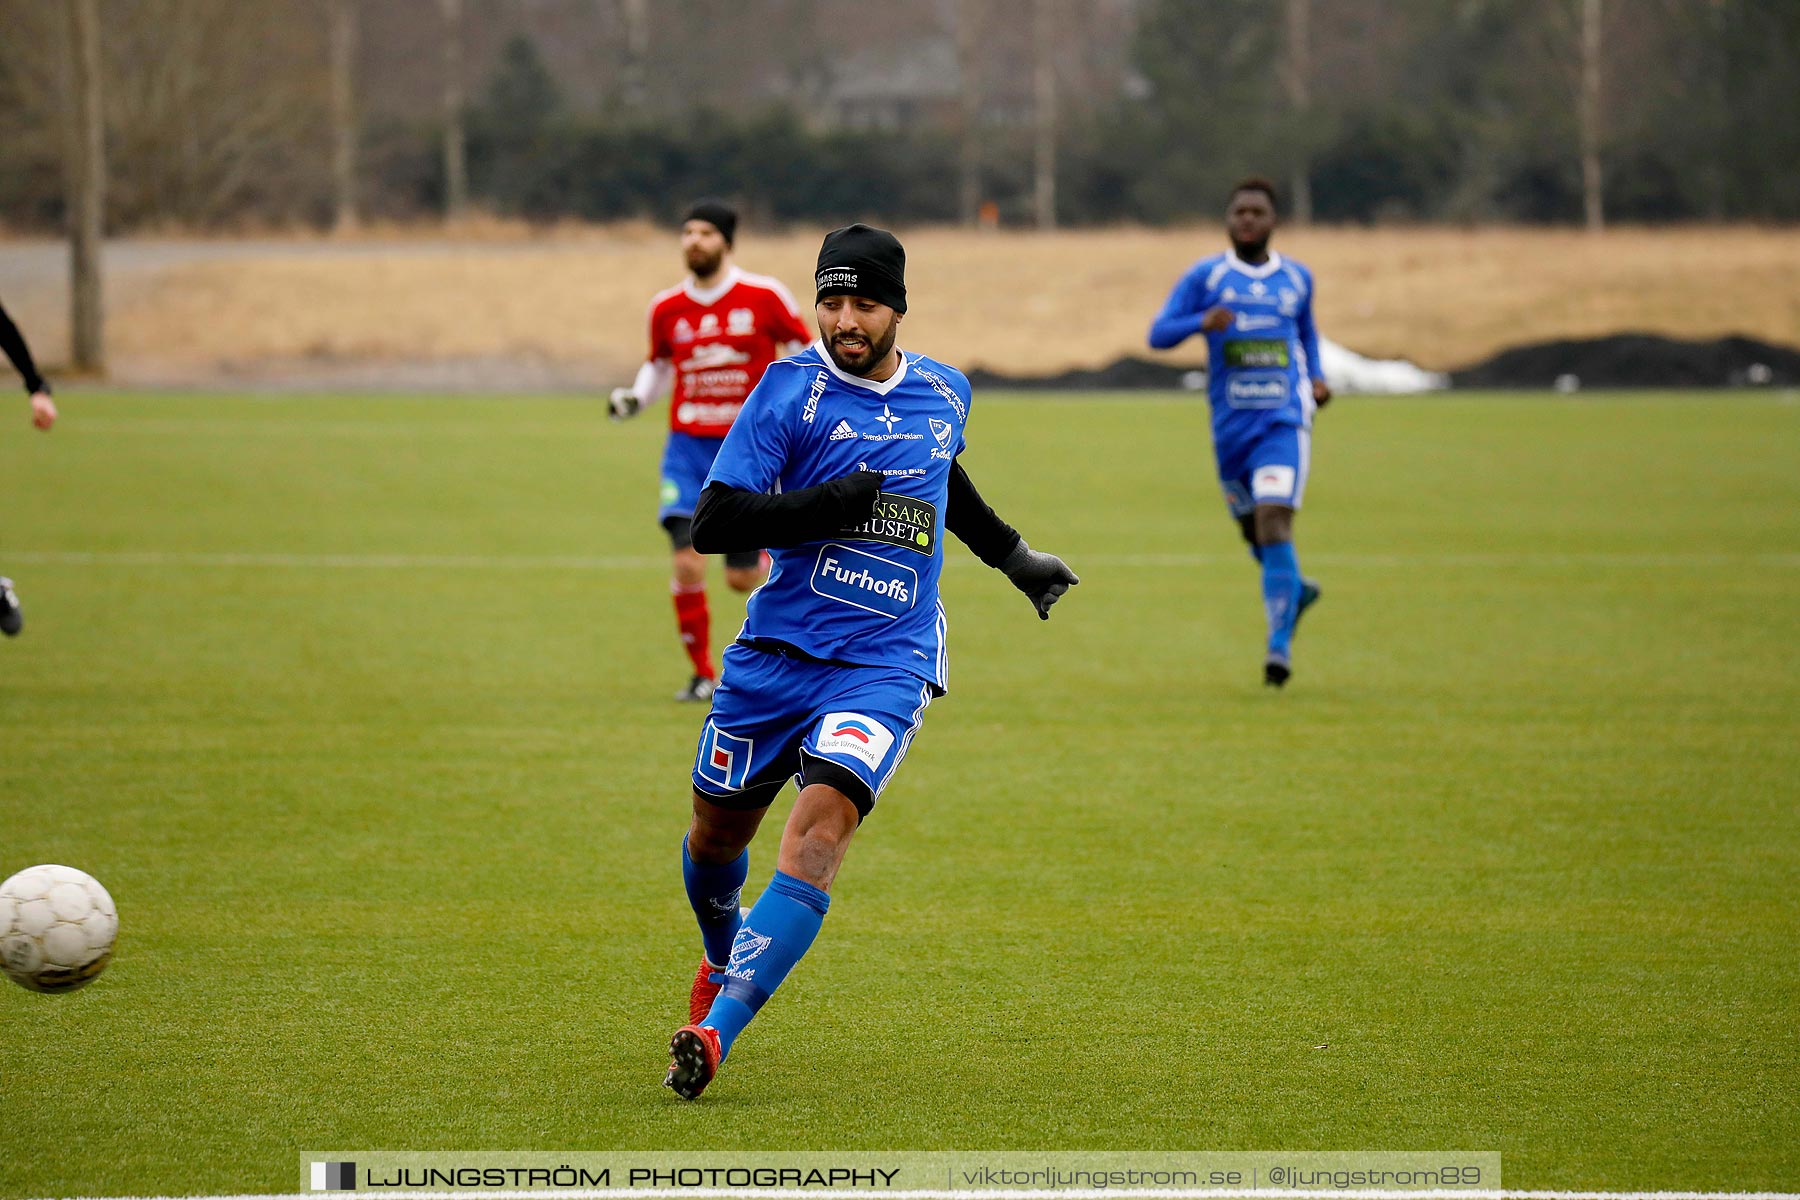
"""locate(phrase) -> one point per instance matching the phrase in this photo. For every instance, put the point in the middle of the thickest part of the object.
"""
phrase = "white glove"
(624, 404)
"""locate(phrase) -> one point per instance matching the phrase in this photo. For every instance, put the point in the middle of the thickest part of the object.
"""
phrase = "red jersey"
(720, 341)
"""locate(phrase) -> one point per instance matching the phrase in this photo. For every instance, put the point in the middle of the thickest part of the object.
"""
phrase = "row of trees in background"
(220, 113)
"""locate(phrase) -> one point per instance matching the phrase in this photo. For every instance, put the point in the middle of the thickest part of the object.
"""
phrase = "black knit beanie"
(720, 214)
(859, 260)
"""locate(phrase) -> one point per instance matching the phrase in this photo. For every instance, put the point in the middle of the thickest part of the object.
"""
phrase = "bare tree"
(343, 112)
(1591, 179)
(87, 186)
(637, 52)
(456, 166)
(1297, 82)
(1043, 45)
(967, 16)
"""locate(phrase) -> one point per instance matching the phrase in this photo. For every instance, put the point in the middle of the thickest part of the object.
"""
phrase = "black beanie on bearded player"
(718, 214)
(868, 264)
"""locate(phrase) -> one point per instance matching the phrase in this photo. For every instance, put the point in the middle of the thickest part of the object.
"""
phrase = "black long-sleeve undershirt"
(730, 520)
(13, 342)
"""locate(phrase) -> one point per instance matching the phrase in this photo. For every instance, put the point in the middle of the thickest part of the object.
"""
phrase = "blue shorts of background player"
(1268, 467)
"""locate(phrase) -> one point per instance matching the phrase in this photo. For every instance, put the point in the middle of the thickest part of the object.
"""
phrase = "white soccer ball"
(57, 927)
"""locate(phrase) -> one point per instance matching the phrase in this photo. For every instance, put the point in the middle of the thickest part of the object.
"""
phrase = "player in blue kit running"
(844, 465)
(1264, 381)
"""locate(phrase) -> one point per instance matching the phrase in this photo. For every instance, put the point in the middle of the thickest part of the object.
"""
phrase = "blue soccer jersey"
(869, 595)
(1260, 370)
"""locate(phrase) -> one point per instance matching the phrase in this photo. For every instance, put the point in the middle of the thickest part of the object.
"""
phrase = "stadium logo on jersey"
(746, 948)
(865, 581)
(855, 735)
(941, 430)
(812, 398)
(724, 758)
(842, 431)
(899, 521)
(740, 321)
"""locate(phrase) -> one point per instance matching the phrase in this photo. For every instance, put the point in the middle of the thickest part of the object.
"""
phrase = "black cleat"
(1276, 669)
(699, 690)
(12, 617)
(694, 1060)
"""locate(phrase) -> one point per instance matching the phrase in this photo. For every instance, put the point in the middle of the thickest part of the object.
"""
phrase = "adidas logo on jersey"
(842, 431)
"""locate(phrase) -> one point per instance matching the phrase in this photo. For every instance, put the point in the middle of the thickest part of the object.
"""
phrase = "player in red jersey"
(713, 336)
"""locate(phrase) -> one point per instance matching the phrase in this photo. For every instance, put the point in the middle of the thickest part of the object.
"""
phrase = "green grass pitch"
(360, 707)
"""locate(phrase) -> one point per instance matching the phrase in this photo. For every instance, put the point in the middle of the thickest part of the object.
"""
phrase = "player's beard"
(1251, 251)
(703, 264)
(875, 351)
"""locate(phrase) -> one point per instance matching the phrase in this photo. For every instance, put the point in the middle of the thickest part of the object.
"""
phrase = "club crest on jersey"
(855, 735)
(724, 758)
(941, 430)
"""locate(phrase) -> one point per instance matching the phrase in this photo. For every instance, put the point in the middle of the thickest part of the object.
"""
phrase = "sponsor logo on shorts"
(865, 581)
(899, 521)
(671, 491)
(855, 735)
(724, 758)
(1272, 482)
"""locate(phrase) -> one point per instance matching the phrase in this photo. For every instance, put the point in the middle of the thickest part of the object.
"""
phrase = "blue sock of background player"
(713, 891)
(1281, 593)
(777, 932)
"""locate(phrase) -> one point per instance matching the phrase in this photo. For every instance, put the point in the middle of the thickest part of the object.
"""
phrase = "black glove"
(623, 404)
(1043, 577)
(855, 495)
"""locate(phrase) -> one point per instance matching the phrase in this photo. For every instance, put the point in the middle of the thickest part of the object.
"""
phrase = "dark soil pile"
(1636, 360)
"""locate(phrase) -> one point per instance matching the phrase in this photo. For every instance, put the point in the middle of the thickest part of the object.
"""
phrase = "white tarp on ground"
(1348, 371)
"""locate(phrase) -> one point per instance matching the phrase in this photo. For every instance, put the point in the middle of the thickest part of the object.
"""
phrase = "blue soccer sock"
(1281, 593)
(713, 890)
(778, 931)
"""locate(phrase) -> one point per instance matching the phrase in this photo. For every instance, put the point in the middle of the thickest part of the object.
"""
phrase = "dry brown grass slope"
(1018, 302)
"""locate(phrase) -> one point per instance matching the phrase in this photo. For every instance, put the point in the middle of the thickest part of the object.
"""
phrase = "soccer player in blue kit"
(1264, 381)
(844, 465)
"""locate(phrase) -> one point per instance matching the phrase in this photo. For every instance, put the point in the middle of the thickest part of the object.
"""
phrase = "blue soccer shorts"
(685, 463)
(1268, 467)
(777, 717)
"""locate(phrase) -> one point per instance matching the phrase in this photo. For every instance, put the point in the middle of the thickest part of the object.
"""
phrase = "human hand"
(1217, 319)
(623, 404)
(43, 410)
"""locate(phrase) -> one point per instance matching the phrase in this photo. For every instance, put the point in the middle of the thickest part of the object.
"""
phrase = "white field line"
(643, 562)
(1001, 1194)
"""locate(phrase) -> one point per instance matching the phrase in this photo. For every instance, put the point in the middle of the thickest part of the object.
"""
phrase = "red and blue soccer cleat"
(706, 990)
(694, 1059)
